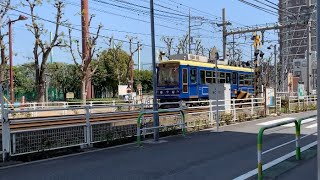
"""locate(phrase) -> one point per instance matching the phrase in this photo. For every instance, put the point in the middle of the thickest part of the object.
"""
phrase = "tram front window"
(168, 75)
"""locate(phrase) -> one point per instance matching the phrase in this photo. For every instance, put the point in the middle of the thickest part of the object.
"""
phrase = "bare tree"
(118, 61)
(42, 49)
(4, 59)
(182, 46)
(169, 43)
(130, 63)
(199, 49)
(85, 67)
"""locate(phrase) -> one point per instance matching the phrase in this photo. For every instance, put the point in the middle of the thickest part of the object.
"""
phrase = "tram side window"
(202, 77)
(222, 78)
(193, 76)
(208, 76)
(228, 77)
(234, 78)
(185, 76)
(241, 80)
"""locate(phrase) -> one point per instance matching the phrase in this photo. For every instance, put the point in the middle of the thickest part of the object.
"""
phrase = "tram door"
(193, 83)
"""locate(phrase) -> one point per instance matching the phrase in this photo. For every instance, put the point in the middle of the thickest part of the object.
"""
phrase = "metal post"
(88, 125)
(217, 96)
(276, 77)
(224, 33)
(211, 112)
(318, 85)
(189, 36)
(252, 106)
(5, 127)
(154, 68)
(308, 49)
(10, 61)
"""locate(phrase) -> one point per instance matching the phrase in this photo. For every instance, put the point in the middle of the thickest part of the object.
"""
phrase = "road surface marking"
(303, 122)
(312, 126)
(274, 162)
(274, 121)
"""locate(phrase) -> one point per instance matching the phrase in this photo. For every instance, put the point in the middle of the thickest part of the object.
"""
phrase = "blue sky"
(115, 19)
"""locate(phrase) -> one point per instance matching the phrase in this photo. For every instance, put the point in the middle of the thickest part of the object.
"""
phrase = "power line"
(258, 7)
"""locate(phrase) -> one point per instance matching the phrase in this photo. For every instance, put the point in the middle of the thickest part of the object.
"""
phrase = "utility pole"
(224, 33)
(189, 36)
(318, 88)
(51, 53)
(154, 70)
(85, 38)
(139, 65)
(308, 47)
(11, 63)
(233, 52)
(276, 77)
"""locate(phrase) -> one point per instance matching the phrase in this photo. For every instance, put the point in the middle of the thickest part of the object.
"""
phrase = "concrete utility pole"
(154, 70)
(233, 52)
(318, 87)
(85, 38)
(139, 65)
(224, 33)
(189, 36)
(276, 76)
(308, 47)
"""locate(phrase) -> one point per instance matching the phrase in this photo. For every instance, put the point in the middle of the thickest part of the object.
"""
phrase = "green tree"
(111, 70)
(143, 77)
(65, 78)
(24, 76)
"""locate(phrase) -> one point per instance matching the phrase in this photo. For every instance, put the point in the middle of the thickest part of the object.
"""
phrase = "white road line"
(303, 122)
(274, 162)
(312, 126)
(274, 121)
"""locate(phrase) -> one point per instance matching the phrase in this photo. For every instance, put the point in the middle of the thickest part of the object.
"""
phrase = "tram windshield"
(168, 75)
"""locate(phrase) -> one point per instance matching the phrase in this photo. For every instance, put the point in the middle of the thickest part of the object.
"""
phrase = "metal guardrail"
(139, 129)
(298, 123)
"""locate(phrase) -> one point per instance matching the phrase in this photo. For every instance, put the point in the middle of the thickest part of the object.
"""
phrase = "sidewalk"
(292, 169)
(307, 170)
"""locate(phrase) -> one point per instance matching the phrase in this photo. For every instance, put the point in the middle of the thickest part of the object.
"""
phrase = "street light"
(10, 22)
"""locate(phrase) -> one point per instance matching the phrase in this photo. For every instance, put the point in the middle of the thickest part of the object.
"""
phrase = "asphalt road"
(205, 155)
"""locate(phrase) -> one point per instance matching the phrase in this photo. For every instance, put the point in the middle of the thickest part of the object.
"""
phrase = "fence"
(27, 130)
(297, 139)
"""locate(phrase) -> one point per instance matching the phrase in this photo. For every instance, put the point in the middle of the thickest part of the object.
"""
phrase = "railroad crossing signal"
(256, 40)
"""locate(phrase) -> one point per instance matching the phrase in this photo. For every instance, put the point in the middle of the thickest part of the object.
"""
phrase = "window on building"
(297, 63)
(297, 73)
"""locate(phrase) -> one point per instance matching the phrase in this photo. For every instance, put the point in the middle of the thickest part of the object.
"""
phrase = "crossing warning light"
(256, 40)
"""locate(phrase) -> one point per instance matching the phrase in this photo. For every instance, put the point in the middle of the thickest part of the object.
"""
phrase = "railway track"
(22, 124)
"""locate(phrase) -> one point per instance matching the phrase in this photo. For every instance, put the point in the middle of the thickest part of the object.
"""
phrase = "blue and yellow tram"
(188, 80)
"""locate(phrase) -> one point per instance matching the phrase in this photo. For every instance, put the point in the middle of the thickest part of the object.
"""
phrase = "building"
(293, 40)
(300, 71)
